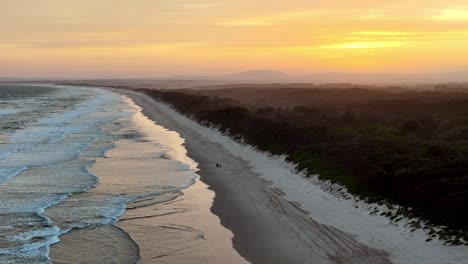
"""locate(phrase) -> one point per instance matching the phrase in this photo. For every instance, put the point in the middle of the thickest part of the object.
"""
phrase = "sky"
(145, 38)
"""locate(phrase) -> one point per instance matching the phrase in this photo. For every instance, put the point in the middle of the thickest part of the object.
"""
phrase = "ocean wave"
(7, 173)
(46, 162)
(48, 189)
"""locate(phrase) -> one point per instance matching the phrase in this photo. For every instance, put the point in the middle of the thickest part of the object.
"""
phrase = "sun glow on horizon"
(147, 38)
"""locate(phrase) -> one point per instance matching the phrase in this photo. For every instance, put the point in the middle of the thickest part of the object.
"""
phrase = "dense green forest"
(408, 148)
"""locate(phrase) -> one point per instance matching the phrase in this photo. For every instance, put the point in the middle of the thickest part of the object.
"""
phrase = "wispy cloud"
(381, 33)
(408, 36)
(375, 14)
(364, 45)
(247, 22)
(7, 46)
(452, 14)
(275, 19)
(200, 5)
(299, 15)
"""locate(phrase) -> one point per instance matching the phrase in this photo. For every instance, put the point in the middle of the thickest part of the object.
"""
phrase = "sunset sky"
(142, 38)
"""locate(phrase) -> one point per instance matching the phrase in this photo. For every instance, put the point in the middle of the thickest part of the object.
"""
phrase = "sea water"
(50, 138)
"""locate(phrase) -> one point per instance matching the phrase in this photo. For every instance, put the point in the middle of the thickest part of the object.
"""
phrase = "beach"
(86, 177)
(166, 218)
(267, 228)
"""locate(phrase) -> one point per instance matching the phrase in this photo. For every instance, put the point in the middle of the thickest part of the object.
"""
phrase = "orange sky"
(121, 38)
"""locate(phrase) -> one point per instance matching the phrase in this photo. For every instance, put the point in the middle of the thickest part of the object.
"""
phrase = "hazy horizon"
(141, 39)
(265, 76)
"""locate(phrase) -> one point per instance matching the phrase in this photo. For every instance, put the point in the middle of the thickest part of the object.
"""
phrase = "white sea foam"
(9, 111)
(47, 188)
(45, 162)
(7, 172)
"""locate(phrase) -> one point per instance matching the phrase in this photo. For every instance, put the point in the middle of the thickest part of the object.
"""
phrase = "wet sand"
(267, 228)
(181, 231)
(166, 224)
(92, 245)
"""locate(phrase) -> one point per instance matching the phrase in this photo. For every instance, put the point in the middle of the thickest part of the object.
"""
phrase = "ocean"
(73, 160)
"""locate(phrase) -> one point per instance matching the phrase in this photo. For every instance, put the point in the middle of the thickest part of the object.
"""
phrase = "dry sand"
(266, 227)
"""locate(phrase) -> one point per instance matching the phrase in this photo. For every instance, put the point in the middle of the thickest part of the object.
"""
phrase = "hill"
(267, 75)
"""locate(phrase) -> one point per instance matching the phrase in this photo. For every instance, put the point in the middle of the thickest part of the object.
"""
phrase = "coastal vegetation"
(408, 148)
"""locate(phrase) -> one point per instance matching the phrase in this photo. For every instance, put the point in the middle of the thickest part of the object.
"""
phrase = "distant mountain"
(258, 75)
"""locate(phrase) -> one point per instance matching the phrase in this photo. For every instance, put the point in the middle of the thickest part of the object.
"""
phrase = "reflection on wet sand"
(165, 222)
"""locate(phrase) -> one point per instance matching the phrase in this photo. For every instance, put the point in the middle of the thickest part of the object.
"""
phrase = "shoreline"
(167, 216)
(267, 228)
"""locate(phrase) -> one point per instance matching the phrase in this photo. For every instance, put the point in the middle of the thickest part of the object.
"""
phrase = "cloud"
(364, 45)
(452, 14)
(369, 36)
(375, 14)
(241, 23)
(300, 15)
(7, 46)
(381, 33)
(380, 36)
(201, 5)
(279, 18)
